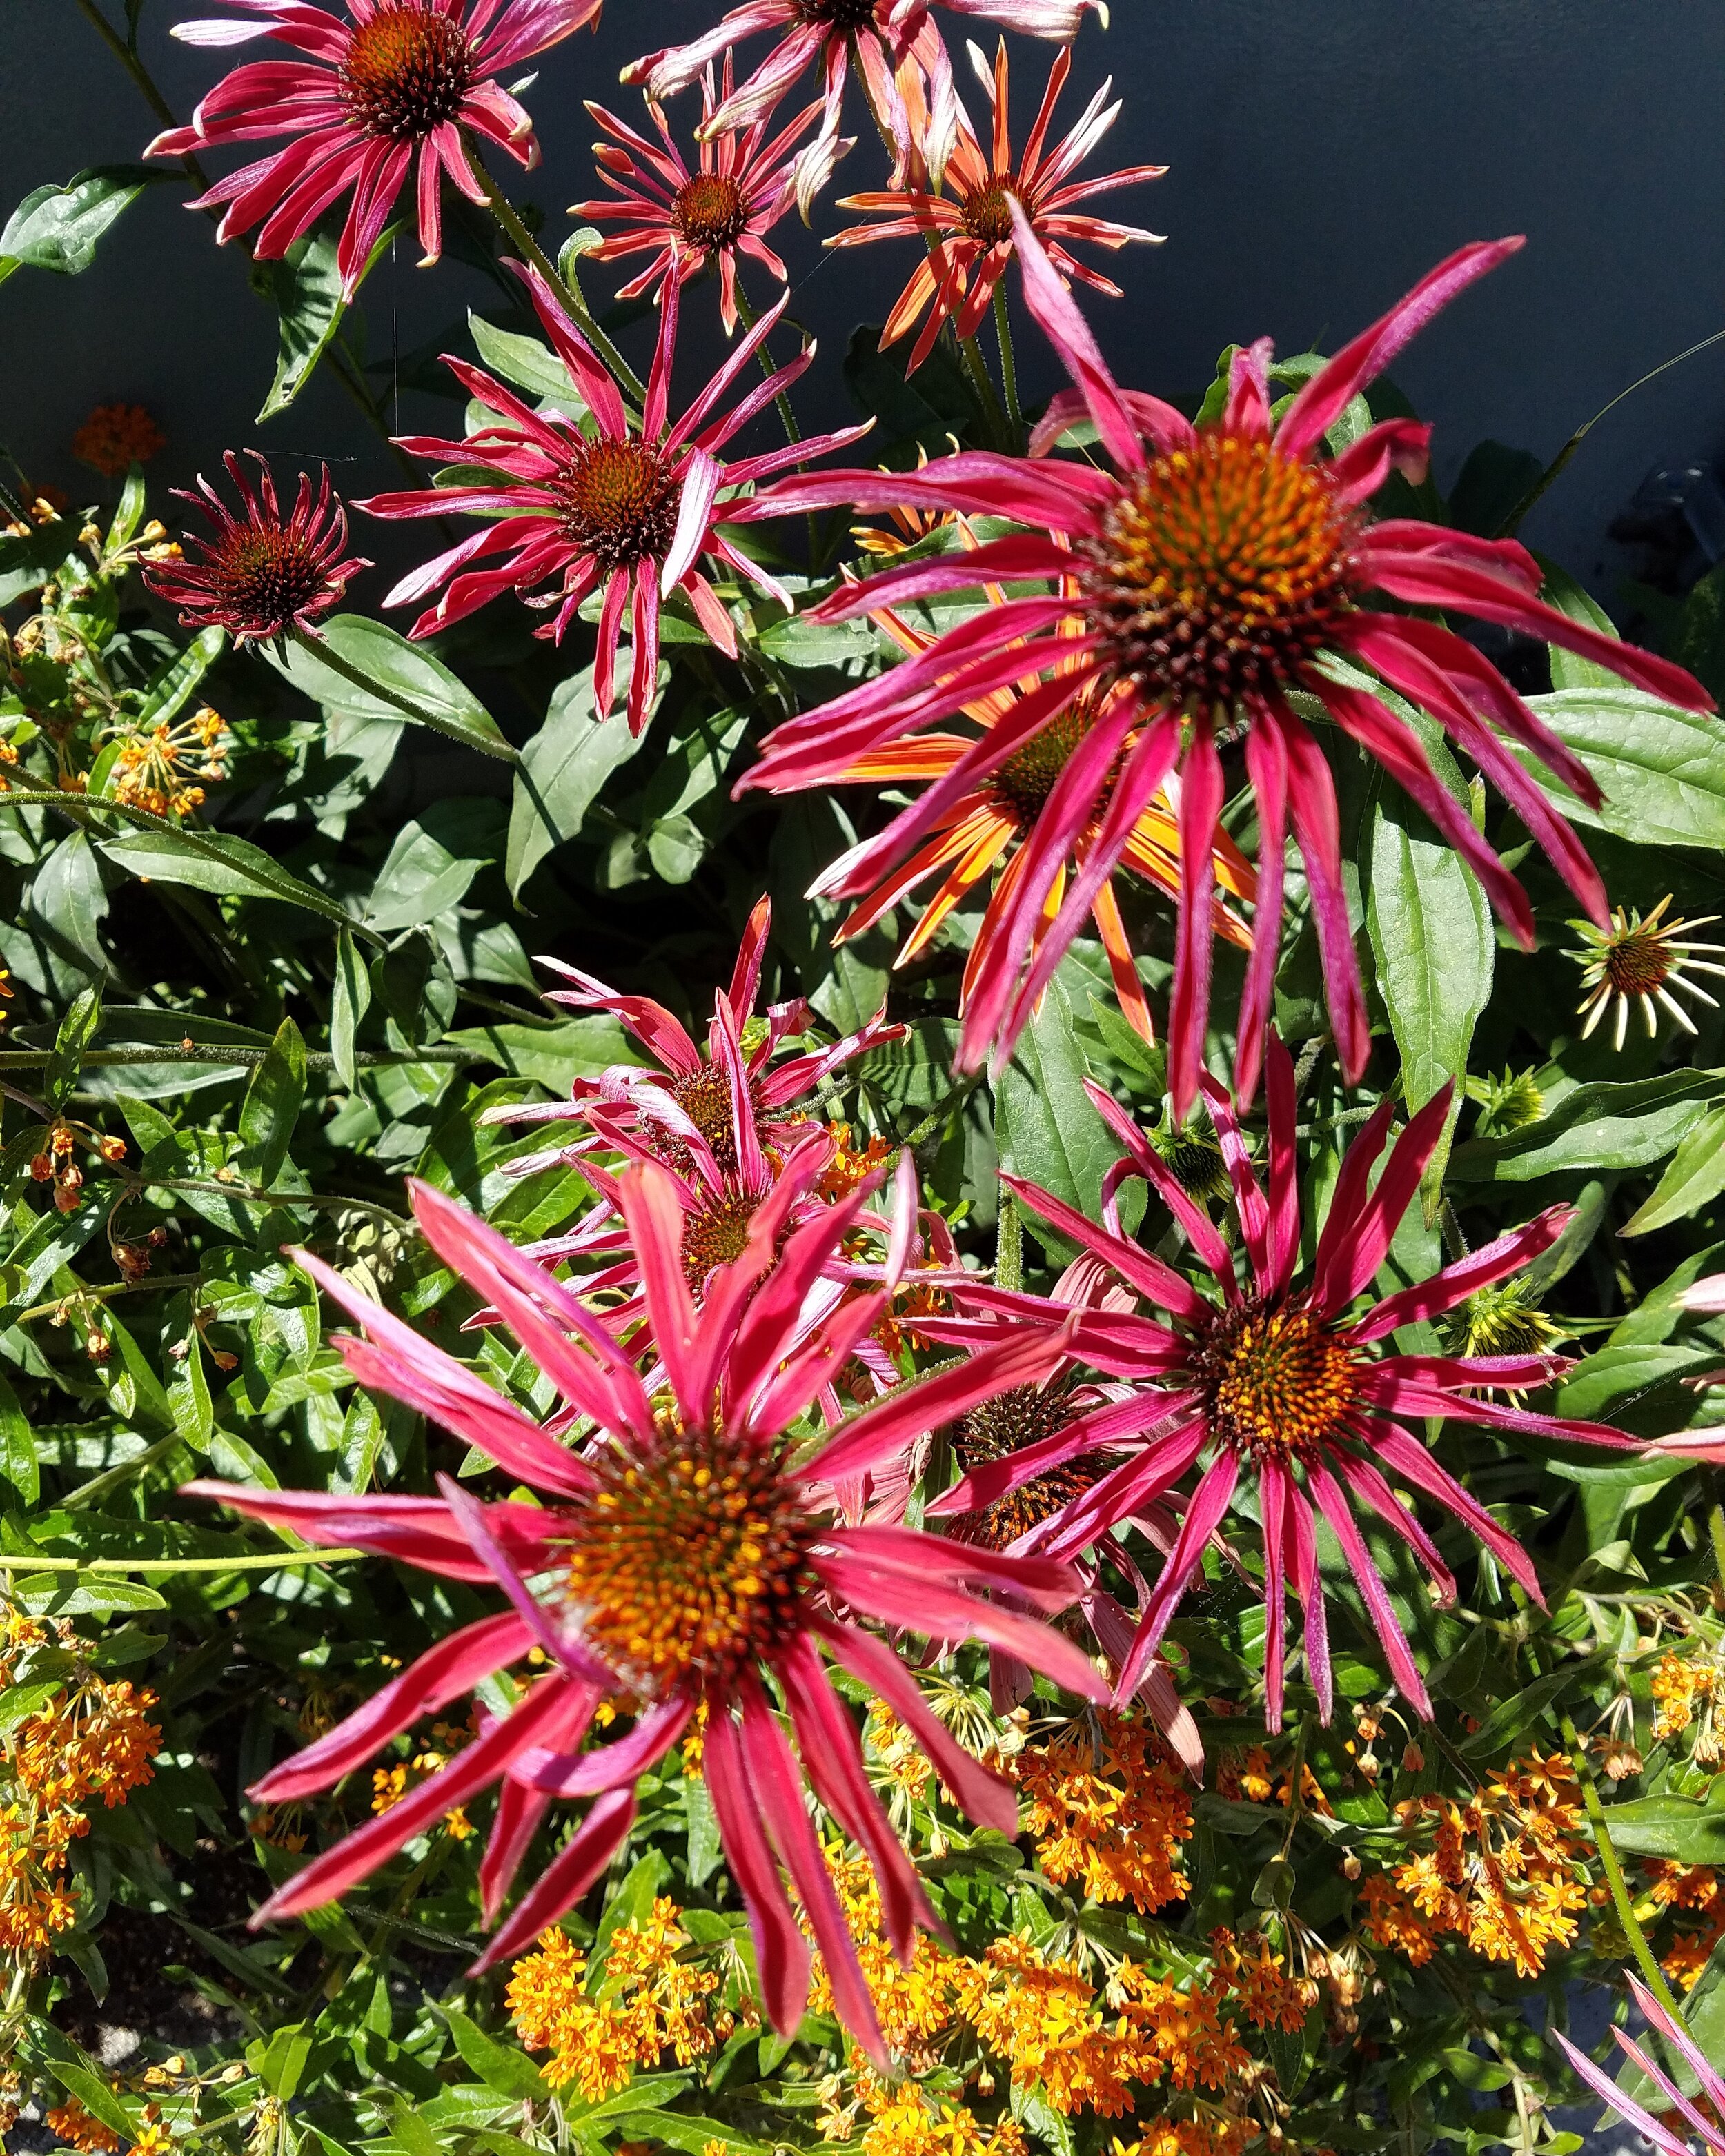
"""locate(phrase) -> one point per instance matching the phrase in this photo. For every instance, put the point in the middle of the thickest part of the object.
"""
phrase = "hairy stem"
(1609, 1862)
(1008, 365)
(509, 220)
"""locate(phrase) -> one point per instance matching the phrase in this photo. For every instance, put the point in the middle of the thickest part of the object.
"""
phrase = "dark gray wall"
(1322, 154)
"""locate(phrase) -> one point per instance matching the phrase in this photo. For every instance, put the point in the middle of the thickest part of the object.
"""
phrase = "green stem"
(14, 1562)
(326, 654)
(509, 220)
(782, 402)
(1716, 1528)
(1652, 1974)
(1009, 1246)
(139, 73)
(1009, 364)
(977, 369)
(165, 1285)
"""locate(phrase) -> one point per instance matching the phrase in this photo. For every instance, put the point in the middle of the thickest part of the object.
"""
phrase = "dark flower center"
(1221, 570)
(704, 1095)
(1022, 785)
(263, 576)
(689, 1560)
(1279, 1384)
(840, 15)
(1636, 961)
(618, 501)
(986, 213)
(715, 1236)
(709, 210)
(406, 71)
(1195, 1161)
(1006, 1425)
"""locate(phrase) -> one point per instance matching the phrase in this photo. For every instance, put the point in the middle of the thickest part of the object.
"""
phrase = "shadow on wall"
(1321, 155)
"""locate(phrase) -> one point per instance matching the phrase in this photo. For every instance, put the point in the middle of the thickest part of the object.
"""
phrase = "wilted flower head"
(376, 101)
(687, 1558)
(1211, 571)
(260, 574)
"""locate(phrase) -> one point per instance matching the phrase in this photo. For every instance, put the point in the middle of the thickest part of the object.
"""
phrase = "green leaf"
(218, 863)
(682, 2129)
(306, 288)
(1694, 1178)
(1568, 671)
(272, 1104)
(1682, 1829)
(18, 1446)
(58, 228)
(798, 641)
(498, 2066)
(527, 363)
(67, 899)
(1431, 929)
(1603, 1125)
(352, 1000)
(1046, 1128)
(27, 559)
(170, 691)
(77, 1028)
(1662, 771)
(188, 1387)
(279, 2061)
(21, 1701)
(560, 774)
(401, 681)
(421, 880)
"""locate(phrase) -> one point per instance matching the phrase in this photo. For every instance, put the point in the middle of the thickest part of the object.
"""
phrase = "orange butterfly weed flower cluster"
(115, 437)
(1697, 1888)
(90, 1738)
(1108, 1808)
(649, 1999)
(74, 2124)
(155, 766)
(1503, 1871)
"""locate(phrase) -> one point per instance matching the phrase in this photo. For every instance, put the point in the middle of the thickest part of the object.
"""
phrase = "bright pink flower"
(688, 1106)
(1219, 567)
(1277, 1381)
(883, 36)
(1662, 2132)
(685, 1559)
(689, 220)
(968, 225)
(628, 509)
(394, 85)
(260, 573)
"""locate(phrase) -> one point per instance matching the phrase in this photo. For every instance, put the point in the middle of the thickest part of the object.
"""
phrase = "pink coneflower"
(260, 574)
(970, 224)
(1278, 1382)
(1680, 2111)
(690, 1097)
(883, 36)
(393, 86)
(627, 510)
(1218, 568)
(687, 220)
(684, 1559)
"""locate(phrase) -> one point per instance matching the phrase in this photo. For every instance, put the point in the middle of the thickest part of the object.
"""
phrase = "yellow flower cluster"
(1697, 1888)
(649, 2000)
(849, 1165)
(154, 766)
(92, 1738)
(390, 1785)
(1108, 1808)
(1503, 1871)
(1682, 1689)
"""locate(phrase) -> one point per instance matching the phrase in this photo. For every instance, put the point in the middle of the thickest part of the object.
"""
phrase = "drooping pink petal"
(568, 1875)
(781, 1954)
